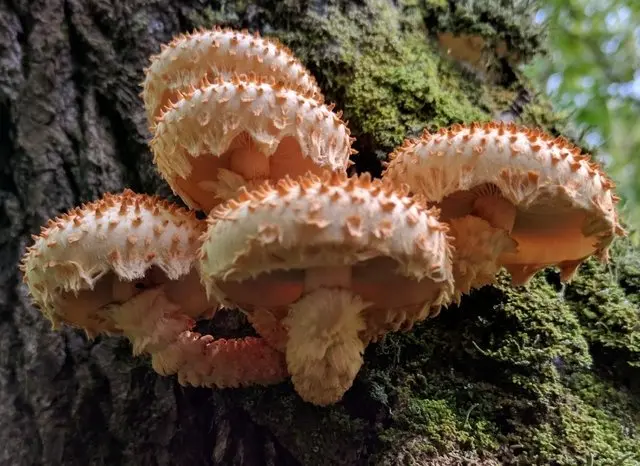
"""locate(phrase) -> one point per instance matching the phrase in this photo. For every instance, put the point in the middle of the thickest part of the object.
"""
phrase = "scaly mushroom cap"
(258, 246)
(555, 203)
(98, 254)
(351, 259)
(189, 58)
(229, 134)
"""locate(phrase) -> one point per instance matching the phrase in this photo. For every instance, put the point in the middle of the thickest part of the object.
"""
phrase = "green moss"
(514, 375)
(403, 93)
(494, 20)
(609, 313)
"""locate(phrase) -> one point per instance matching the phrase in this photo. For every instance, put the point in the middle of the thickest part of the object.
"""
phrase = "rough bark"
(541, 375)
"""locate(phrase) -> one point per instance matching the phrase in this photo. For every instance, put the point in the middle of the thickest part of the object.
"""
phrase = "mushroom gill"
(189, 58)
(229, 134)
(350, 258)
(552, 200)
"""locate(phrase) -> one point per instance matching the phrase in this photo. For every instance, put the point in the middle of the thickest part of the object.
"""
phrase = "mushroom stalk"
(495, 209)
(150, 321)
(324, 351)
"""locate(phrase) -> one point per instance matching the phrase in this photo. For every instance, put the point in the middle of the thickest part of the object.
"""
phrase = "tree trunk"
(545, 374)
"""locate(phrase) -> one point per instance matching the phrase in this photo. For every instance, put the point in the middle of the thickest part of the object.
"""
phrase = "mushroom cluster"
(321, 263)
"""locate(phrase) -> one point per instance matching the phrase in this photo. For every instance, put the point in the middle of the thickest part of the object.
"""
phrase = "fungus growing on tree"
(88, 262)
(189, 58)
(124, 265)
(229, 134)
(320, 263)
(542, 191)
(349, 258)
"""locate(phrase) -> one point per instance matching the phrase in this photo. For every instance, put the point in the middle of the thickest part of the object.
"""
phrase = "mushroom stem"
(324, 351)
(150, 320)
(495, 209)
(201, 360)
(229, 182)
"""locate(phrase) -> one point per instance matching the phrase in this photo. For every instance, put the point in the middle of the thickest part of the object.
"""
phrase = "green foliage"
(591, 73)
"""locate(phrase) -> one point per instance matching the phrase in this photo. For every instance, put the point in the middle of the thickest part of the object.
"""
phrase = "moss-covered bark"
(546, 374)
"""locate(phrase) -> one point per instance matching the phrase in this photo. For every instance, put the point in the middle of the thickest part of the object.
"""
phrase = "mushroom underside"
(215, 178)
(93, 308)
(375, 280)
(548, 229)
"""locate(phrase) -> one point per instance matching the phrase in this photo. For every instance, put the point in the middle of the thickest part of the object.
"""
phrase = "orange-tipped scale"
(229, 134)
(545, 194)
(189, 58)
(350, 258)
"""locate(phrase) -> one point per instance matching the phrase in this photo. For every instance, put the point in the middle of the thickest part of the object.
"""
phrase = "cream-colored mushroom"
(189, 58)
(350, 258)
(88, 262)
(542, 191)
(236, 133)
(124, 265)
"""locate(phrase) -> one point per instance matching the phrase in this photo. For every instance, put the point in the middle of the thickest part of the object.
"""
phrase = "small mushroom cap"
(257, 247)
(189, 58)
(565, 207)
(206, 135)
(83, 259)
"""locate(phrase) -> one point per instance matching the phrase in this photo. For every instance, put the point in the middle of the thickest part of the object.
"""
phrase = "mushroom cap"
(81, 260)
(189, 58)
(277, 232)
(562, 198)
(196, 138)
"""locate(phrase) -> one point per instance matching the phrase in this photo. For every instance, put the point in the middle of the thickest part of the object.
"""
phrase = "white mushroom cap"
(350, 258)
(189, 58)
(118, 238)
(228, 133)
(564, 204)
(320, 222)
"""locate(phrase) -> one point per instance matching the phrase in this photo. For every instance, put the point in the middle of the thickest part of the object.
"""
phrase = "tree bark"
(510, 376)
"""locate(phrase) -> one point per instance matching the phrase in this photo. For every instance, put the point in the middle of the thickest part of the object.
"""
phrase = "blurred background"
(593, 77)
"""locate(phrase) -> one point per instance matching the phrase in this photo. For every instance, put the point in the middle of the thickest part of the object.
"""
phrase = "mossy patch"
(495, 21)
(517, 376)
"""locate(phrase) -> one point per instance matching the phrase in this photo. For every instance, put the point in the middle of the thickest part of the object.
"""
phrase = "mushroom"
(87, 263)
(553, 201)
(124, 265)
(189, 58)
(344, 260)
(228, 134)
